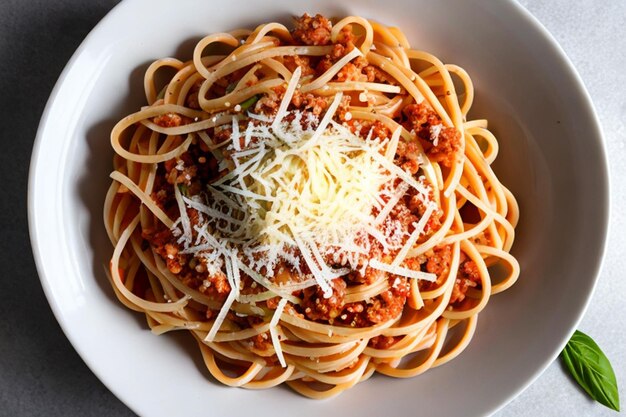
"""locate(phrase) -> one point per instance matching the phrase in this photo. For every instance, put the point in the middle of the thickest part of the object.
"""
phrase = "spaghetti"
(312, 205)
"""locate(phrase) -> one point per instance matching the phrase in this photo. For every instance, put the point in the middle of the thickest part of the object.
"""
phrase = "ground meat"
(160, 198)
(307, 101)
(171, 120)
(379, 309)
(357, 70)
(469, 270)
(312, 30)
(350, 72)
(467, 277)
(180, 170)
(325, 63)
(192, 96)
(374, 74)
(371, 275)
(383, 342)
(448, 143)
(157, 237)
(388, 305)
(338, 52)
(269, 103)
(191, 171)
(316, 307)
(172, 259)
(164, 244)
(404, 217)
(364, 127)
(219, 285)
(222, 135)
(407, 156)
(295, 61)
(420, 117)
(354, 315)
(272, 303)
(323, 66)
(440, 143)
(262, 341)
(416, 204)
(346, 36)
(168, 120)
(437, 262)
(343, 109)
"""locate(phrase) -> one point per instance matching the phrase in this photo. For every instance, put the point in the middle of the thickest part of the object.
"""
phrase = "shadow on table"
(40, 369)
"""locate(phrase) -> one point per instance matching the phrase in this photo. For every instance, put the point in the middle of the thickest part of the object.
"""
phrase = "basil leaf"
(591, 369)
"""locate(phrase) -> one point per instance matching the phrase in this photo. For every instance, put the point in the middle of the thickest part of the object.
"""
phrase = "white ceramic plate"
(551, 156)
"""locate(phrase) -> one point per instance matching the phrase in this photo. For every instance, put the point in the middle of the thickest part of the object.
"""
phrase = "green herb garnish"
(248, 103)
(591, 369)
(184, 190)
(230, 88)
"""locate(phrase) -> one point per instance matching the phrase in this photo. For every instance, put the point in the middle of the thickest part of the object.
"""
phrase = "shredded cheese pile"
(303, 192)
(313, 190)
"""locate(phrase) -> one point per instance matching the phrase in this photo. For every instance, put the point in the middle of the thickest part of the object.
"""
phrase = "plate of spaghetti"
(309, 201)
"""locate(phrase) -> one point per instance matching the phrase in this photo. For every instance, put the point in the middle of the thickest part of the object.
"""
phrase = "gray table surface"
(41, 374)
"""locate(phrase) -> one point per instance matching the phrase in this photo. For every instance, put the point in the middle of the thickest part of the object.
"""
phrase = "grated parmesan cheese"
(435, 131)
(274, 333)
(307, 193)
